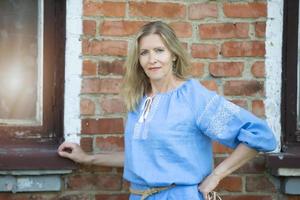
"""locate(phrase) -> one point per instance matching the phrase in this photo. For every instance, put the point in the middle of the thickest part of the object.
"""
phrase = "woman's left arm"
(237, 158)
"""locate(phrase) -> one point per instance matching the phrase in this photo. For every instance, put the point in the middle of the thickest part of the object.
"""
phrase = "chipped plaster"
(72, 122)
(273, 64)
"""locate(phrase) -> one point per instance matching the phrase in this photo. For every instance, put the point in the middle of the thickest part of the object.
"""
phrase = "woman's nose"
(152, 58)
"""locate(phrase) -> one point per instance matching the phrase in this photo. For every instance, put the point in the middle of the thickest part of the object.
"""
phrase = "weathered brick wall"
(226, 43)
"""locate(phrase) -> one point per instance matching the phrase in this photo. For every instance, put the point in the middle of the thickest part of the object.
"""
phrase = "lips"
(154, 68)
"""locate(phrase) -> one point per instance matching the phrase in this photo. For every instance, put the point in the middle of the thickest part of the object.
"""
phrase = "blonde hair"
(136, 83)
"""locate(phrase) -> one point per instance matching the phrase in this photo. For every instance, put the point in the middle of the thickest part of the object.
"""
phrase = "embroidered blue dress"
(171, 141)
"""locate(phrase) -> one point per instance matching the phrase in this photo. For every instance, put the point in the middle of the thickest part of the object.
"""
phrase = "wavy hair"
(136, 83)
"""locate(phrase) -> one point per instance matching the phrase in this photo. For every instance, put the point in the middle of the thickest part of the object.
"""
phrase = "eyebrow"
(161, 47)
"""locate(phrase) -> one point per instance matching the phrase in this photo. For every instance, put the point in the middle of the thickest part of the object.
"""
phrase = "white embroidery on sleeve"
(220, 119)
(207, 107)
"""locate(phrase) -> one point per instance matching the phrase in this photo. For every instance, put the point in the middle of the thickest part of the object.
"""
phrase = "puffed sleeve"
(229, 124)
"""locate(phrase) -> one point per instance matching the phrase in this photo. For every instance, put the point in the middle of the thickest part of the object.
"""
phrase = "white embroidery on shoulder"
(219, 121)
(207, 107)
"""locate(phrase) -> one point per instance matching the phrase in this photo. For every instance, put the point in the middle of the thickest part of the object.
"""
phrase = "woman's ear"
(174, 58)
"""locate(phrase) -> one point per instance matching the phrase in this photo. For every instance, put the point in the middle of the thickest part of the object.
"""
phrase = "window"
(289, 157)
(32, 83)
(291, 78)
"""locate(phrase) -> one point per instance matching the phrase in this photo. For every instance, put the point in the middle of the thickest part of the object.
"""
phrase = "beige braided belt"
(151, 191)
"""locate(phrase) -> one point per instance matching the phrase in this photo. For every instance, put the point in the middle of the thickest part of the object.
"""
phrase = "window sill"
(284, 160)
(286, 166)
(33, 157)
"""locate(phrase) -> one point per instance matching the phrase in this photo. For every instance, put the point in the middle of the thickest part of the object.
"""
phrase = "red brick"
(112, 105)
(104, 47)
(259, 184)
(87, 107)
(226, 69)
(89, 27)
(102, 126)
(245, 10)
(247, 49)
(292, 197)
(220, 149)
(258, 108)
(65, 196)
(247, 197)
(203, 10)
(258, 69)
(210, 84)
(94, 169)
(230, 184)
(205, 51)
(126, 185)
(115, 67)
(155, 9)
(243, 88)
(120, 28)
(240, 102)
(89, 68)
(197, 69)
(110, 143)
(86, 47)
(112, 197)
(94, 182)
(260, 29)
(223, 31)
(182, 29)
(109, 9)
(106, 86)
(86, 144)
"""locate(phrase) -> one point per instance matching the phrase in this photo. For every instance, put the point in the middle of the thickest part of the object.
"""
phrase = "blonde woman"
(172, 121)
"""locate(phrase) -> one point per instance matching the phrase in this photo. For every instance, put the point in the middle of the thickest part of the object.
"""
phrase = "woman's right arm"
(74, 152)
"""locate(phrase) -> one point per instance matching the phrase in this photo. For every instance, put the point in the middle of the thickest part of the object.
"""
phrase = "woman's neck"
(164, 85)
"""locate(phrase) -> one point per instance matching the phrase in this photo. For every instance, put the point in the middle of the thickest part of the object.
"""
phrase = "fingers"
(71, 151)
(67, 145)
(64, 154)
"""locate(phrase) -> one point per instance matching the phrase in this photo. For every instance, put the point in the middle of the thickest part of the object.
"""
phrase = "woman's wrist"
(219, 175)
(88, 159)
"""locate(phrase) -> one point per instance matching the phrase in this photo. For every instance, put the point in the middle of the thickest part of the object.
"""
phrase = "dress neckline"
(170, 91)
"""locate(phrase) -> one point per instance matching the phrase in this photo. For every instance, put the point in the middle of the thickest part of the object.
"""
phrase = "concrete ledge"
(288, 172)
(31, 180)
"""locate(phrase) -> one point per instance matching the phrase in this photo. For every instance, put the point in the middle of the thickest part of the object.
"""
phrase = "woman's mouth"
(153, 68)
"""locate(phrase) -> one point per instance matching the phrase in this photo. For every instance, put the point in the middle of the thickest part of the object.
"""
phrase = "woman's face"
(155, 58)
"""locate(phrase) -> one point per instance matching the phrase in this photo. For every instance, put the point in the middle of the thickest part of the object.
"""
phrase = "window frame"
(289, 157)
(41, 153)
(291, 136)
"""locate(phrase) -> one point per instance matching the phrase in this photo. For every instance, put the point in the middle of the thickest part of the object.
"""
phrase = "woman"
(171, 123)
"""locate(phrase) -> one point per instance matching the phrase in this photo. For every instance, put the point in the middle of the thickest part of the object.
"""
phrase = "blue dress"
(168, 139)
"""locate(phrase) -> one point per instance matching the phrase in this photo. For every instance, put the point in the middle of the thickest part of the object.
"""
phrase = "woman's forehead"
(150, 41)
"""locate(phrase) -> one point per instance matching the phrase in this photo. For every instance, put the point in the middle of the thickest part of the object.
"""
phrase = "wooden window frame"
(41, 153)
(289, 157)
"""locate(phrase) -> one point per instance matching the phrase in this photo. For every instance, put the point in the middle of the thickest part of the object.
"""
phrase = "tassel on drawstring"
(140, 130)
(146, 109)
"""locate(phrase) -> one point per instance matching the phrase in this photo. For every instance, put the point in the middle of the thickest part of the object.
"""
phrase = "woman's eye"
(143, 53)
(159, 50)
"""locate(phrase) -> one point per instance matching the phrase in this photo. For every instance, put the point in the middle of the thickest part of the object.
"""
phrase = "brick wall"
(226, 43)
